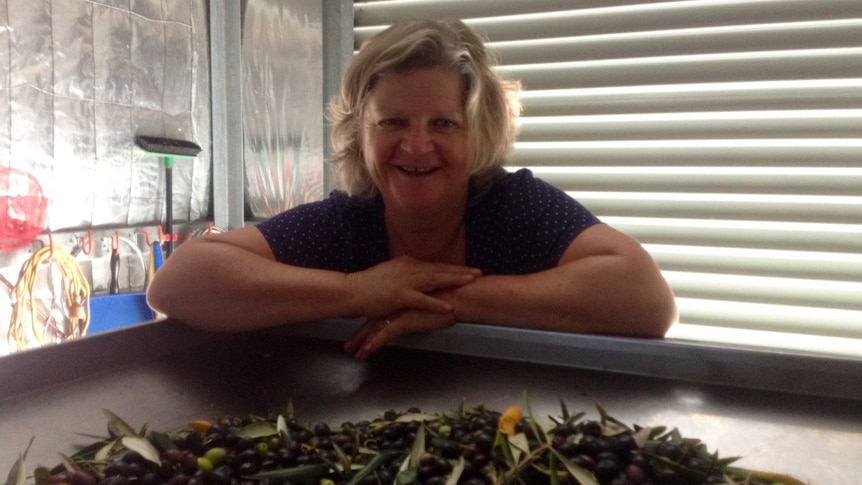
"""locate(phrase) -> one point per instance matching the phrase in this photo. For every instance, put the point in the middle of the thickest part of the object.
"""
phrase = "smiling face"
(414, 141)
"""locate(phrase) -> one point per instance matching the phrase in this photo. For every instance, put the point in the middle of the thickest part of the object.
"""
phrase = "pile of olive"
(402, 449)
(618, 459)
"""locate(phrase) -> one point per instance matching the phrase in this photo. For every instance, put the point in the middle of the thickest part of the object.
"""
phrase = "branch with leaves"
(468, 446)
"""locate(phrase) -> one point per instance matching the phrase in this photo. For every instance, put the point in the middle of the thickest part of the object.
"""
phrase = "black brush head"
(168, 146)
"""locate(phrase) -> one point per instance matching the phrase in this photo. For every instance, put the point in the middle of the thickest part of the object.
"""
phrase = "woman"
(431, 229)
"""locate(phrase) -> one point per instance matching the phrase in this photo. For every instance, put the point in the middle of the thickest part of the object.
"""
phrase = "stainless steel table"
(788, 413)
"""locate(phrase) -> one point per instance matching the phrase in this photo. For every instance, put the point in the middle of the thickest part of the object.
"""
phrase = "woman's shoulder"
(338, 233)
(519, 201)
(336, 213)
(520, 189)
(337, 204)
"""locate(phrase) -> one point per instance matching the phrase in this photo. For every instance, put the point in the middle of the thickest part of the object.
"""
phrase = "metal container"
(787, 413)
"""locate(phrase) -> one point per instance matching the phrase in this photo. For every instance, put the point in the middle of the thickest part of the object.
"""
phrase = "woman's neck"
(441, 240)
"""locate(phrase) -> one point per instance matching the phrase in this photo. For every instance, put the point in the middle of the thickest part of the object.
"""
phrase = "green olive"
(204, 464)
(215, 456)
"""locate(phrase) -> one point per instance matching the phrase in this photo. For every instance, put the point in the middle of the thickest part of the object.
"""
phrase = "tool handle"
(157, 256)
(115, 273)
(169, 216)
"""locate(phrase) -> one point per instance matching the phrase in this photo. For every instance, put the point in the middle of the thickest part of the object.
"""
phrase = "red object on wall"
(23, 209)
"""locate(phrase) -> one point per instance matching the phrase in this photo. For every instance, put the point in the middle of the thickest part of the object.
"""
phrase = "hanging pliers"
(115, 264)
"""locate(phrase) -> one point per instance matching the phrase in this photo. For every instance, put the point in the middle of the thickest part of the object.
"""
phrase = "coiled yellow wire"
(76, 292)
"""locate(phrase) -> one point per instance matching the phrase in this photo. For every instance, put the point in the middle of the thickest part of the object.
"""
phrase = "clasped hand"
(402, 296)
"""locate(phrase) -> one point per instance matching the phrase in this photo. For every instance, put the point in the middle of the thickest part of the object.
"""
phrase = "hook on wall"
(43, 245)
(87, 245)
(166, 237)
(115, 243)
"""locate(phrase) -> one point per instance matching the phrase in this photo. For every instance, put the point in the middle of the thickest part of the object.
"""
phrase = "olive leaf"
(104, 452)
(373, 464)
(577, 417)
(18, 473)
(519, 444)
(501, 442)
(117, 427)
(67, 463)
(334, 467)
(86, 452)
(603, 415)
(407, 477)
(421, 417)
(408, 471)
(565, 410)
(459, 411)
(772, 478)
(343, 460)
(257, 429)
(300, 473)
(582, 475)
(641, 436)
(457, 470)
(657, 431)
(281, 427)
(723, 462)
(552, 461)
(418, 448)
(143, 447)
(674, 436)
(537, 430)
(610, 425)
(288, 409)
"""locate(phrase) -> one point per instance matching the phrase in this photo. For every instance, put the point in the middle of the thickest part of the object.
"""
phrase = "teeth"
(417, 169)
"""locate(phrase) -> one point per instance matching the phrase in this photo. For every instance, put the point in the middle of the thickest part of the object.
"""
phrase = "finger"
(428, 303)
(355, 341)
(376, 339)
(442, 280)
(456, 269)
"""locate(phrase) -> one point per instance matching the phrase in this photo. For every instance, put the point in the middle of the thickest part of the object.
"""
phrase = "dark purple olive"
(635, 474)
(606, 469)
(591, 428)
(173, 455)
(179, 479)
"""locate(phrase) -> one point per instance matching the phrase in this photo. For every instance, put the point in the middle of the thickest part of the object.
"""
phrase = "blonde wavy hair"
(491, 104)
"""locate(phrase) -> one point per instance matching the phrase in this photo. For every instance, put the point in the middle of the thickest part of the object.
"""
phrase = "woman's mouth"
(417, 170)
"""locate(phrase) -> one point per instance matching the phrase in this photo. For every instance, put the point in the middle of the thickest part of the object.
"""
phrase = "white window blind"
(724, 135)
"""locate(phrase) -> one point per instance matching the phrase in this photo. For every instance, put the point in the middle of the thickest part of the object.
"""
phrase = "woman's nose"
(417, 140)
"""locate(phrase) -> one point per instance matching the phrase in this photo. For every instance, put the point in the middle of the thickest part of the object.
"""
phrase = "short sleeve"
(523, 225)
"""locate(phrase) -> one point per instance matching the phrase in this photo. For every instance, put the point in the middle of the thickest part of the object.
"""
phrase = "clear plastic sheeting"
(282, 75)
(80, 79)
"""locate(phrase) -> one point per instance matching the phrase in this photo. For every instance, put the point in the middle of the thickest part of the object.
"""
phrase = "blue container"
(110, 312)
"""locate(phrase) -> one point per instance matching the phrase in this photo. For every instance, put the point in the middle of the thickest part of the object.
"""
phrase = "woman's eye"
(391, 123)
(443, 123)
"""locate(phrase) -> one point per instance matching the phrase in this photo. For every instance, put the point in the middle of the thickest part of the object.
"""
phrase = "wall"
(80, 79)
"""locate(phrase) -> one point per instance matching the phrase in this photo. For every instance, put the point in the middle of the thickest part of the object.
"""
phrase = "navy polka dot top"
(522, 225)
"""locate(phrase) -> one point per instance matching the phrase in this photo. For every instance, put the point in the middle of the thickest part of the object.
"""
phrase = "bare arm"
(231, 282)
(605, 283)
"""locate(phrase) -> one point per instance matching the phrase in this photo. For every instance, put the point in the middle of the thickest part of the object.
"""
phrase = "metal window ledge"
(743, 367)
